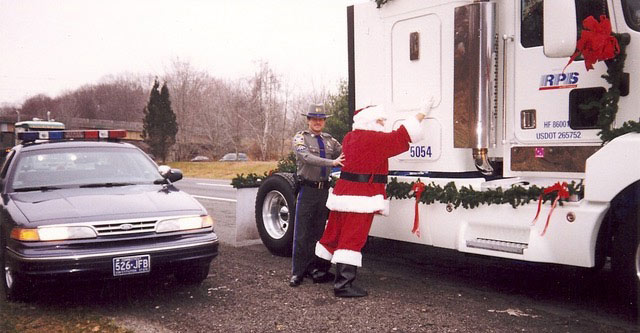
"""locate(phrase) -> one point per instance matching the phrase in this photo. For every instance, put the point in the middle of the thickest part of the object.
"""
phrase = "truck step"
(497, 245)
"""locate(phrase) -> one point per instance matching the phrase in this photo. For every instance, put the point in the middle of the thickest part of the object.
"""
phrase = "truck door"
(546, 134)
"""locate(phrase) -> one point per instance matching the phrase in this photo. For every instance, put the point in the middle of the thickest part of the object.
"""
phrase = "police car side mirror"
(559, 27)
(173, 175)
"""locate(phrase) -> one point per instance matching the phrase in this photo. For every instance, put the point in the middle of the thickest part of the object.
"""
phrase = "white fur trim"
(370, 126)
(322, 252)
(366, 119)
(414, 128)
(358, 204)
(348, 257)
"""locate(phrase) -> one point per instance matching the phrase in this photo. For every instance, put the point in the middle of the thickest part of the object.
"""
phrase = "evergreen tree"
(159, 123)
(339, 123)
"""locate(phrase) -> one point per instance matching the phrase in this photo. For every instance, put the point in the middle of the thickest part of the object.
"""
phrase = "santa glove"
(427, 106)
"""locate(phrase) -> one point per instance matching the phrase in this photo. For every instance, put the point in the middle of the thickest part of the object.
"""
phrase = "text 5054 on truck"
(512, 123)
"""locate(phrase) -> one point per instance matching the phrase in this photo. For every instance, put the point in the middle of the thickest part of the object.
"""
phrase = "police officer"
(316, 152)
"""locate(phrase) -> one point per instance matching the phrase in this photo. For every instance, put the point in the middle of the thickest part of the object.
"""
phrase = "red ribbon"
(596, 42)
(563, 193)
(417, 188)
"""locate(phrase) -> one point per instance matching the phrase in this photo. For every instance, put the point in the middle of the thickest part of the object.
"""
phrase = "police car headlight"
(184, 223)
(52, 233)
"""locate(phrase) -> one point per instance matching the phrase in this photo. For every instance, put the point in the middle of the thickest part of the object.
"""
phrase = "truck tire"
(275, 213)
(625, 252)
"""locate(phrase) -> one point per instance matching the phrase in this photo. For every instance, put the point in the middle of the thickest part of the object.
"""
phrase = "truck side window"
(581, 114)
(631, 9)
(531, 28)
(531, 25)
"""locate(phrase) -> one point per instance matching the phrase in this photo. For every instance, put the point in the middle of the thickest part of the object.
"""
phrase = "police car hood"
(82, 204)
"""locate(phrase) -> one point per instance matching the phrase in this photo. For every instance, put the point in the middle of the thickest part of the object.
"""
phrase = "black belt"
(363, 178)
(318, 185)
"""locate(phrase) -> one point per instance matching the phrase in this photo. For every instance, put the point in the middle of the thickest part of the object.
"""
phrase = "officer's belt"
(318, 185)
(363, 178)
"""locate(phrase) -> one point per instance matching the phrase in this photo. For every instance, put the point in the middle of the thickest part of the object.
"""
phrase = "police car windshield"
(62, 167)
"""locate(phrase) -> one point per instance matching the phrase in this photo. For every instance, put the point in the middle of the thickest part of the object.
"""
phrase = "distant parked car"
(233, 157)
(200, 158)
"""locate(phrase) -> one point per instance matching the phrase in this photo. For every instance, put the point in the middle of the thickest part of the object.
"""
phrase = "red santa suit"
(354, 200)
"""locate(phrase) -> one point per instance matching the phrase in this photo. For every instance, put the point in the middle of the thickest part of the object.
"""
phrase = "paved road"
(412, 289)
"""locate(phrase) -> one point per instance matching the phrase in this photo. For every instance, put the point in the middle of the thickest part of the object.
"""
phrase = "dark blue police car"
(74, 206)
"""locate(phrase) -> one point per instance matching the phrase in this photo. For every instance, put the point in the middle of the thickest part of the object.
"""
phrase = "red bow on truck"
(596, 42)
(563, 193)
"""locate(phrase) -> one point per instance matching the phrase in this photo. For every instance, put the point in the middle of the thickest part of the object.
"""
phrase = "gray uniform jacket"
(308, 160)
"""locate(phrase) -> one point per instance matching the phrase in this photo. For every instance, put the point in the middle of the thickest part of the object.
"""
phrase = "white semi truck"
(507, 116)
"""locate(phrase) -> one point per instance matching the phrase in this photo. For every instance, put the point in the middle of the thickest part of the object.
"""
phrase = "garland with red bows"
(468, 197)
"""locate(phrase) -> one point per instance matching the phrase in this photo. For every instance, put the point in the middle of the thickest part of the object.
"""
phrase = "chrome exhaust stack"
(475, 55)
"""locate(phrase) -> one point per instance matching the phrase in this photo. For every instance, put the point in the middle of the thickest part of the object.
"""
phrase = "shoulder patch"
(298, 139)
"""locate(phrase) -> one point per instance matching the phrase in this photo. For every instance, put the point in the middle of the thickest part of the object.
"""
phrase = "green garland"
(608, 104)
(285, 164)
(467, 197)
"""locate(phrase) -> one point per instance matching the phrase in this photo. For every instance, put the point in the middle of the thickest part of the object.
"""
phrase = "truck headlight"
(52, 233)
(184, 223)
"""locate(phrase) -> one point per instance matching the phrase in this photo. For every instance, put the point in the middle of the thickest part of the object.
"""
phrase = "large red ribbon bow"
(596, 42)
(563, 193)
(417, 188)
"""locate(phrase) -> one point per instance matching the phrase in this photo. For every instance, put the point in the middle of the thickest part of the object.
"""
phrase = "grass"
(222, 170)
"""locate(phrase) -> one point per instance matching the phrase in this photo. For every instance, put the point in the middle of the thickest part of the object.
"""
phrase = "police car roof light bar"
(32, 136)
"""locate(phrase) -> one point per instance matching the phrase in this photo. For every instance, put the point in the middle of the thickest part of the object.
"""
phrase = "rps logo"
(559, 81)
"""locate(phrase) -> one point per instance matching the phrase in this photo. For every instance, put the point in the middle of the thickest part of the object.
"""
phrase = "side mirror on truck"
(559, 28)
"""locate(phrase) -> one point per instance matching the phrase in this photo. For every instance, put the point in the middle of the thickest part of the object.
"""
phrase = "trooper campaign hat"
(316, 111)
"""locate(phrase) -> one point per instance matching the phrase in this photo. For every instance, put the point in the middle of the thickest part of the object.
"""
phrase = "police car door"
(545, 119)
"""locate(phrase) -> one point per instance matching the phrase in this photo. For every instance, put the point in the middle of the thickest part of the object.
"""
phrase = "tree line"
(257, 115)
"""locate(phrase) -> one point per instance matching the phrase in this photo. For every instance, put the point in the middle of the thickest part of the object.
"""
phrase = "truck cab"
(511, 112)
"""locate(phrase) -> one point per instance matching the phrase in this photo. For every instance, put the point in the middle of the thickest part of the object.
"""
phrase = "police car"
(80, 204)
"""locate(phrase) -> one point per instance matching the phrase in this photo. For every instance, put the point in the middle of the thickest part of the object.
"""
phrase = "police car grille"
(124, 227)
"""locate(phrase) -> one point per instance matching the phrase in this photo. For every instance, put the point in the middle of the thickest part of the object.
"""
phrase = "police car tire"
(18, 291)
(193, 275)
(283, 183)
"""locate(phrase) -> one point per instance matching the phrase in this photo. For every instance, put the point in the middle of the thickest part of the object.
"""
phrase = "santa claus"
(360, 191)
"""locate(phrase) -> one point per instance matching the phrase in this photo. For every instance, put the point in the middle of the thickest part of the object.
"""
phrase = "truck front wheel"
(625, 252)
(275, 213)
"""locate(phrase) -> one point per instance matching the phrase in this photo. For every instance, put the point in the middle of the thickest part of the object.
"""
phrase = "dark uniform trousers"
(311, 218)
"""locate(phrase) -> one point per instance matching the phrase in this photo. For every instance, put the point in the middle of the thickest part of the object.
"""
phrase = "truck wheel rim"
(275, 214)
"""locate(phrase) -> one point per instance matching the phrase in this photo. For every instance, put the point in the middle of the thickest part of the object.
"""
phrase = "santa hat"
(366, 118)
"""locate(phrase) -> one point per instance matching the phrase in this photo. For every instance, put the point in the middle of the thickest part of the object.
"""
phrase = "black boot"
(321, 274)
(343, 286)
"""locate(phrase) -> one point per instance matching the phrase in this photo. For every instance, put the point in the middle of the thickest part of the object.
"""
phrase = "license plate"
(131, 265)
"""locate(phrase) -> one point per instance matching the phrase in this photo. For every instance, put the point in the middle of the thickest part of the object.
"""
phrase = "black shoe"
(350, 291)
(343, 286)
(319, 276)
(295, 281)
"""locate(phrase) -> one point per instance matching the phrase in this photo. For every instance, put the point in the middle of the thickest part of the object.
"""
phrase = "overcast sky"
(51, 46)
